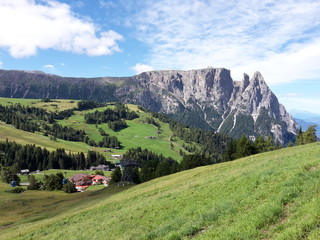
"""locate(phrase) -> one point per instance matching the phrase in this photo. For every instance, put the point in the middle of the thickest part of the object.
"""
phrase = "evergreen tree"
(8, 174)
(310, 135)
(69, 187)
(300, 140)
(33, 183)
(194, 160)
(53, 182)
(116, 175)
(244, 147)
(99, 172)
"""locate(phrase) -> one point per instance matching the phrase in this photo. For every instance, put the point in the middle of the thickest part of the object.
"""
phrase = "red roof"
(99, 177)
(80, 176)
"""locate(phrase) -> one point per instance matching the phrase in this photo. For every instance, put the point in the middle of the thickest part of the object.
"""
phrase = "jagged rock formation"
(207, 98)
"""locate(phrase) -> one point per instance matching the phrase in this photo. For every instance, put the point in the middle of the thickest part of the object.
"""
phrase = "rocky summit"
(207, 98)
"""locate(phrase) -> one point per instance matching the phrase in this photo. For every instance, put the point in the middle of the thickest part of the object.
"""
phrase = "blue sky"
(90, 38)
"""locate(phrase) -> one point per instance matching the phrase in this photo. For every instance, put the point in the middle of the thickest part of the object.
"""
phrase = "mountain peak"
(207, 98)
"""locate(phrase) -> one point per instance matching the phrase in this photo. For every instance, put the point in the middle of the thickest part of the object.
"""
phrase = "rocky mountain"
(206, 98)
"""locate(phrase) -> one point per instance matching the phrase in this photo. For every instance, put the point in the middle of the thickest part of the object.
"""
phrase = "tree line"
(309, 136)
(33, 119)
(86, 105)
(35, 158)
(64, 132)
(114, 117)
(152, 165)
(212, 144)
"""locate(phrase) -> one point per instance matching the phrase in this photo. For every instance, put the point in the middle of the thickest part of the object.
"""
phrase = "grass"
(274, 195)
(136, 135)
(96, 187)
(53, 105)
(23, 137)
(33, 206)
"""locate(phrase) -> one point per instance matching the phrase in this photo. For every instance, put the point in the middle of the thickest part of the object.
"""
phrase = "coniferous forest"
(35, 158)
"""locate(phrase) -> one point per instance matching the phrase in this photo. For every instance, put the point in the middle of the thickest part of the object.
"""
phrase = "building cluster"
(83, 181)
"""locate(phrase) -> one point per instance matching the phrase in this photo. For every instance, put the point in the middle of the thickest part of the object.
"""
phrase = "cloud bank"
(27, 26)
(281, 39)
(139, 68)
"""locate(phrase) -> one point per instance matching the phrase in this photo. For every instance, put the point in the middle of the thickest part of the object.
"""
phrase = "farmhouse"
(83, 181)
(98, 179)
(100, 167)
(24, 172)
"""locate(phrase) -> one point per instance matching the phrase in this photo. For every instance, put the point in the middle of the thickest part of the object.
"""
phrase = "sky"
(96, 38)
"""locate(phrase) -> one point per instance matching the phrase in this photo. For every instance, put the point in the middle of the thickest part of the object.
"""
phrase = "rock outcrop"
(206, 98)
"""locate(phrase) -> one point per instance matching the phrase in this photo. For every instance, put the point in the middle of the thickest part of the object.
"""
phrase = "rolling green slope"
(23, 137)
(275, 195)
(138, 133)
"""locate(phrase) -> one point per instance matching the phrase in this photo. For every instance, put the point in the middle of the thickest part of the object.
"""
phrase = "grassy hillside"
(23, 137)
(53, 105)
(32, 206)
(274, 195)
(137, 134)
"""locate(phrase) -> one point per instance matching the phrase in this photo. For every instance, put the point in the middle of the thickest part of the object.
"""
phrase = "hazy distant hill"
(306, 119)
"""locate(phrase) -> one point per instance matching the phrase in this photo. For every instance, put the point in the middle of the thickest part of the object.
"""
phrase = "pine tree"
(116, 175)
(310, 135)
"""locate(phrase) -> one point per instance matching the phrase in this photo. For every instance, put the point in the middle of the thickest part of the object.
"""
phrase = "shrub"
(69, 187)
(16, 190)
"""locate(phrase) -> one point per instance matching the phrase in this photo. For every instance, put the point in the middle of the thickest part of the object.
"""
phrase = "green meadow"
(53, 105)
(23, 137)
(274, 195)
(136, 135)
(33, 206)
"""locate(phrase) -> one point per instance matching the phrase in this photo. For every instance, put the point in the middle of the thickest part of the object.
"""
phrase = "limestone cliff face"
(233, 107)
(206, 98)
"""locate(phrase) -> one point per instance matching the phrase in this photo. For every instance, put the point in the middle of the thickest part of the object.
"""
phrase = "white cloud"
(296, 64)
(49, 67)
(139, 68)
(27, 25)
(281, 39)
(310, 104)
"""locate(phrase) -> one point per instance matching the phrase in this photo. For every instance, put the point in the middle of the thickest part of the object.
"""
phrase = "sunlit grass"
(53, 105)
(136, 135)
(273, 195)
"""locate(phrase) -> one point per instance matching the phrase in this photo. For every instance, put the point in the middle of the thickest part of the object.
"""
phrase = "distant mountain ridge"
(206, 98)
(306, 119)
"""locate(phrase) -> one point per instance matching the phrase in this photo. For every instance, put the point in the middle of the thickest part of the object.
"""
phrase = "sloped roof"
(98, 177)
(80, 176)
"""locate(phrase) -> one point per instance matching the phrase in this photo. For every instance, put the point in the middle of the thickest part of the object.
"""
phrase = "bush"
(53, 182)
(8, 174)
(16, 190)
(69, 187)
(34, 184)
